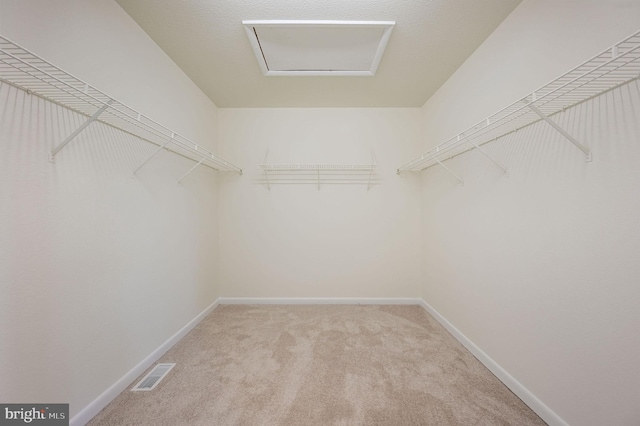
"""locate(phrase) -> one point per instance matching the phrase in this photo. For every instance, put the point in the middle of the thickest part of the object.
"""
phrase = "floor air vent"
(154, 376)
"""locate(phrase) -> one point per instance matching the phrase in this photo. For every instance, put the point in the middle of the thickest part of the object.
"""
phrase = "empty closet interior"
(147, 178)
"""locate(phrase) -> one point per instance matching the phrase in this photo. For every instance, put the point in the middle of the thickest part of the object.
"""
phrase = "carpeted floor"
(321, 365)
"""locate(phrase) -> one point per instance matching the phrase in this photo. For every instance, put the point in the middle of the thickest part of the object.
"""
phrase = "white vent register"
(318, 48)
(153, 377)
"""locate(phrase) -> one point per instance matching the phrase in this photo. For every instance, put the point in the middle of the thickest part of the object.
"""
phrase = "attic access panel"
(318, 48)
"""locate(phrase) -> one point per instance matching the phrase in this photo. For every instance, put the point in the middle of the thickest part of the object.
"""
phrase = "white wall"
(97, 269)
(540, 270)
(339, 241)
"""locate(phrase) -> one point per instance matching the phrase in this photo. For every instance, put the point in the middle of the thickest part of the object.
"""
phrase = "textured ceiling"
(430, 40)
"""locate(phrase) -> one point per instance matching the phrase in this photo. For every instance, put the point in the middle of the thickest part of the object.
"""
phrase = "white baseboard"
(542, 410)
(90, 411)
(319, 301)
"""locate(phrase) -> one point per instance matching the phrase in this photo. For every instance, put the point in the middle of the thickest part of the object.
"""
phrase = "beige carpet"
(321, 365)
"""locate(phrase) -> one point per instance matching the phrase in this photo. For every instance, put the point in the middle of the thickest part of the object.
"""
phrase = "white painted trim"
(539, 407)
(90, 411)
(315, 22)
(324, 73)
(249, 26)
(319, 301)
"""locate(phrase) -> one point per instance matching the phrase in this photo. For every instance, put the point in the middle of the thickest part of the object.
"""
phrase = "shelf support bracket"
(192, 169)
(266, 175)
(482, 151)
(450, 171)
(553, 124)
(154, 154)
(374, 164)
(266, 172)
(94, 117)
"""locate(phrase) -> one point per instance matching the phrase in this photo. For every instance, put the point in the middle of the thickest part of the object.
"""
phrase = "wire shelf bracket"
(374, 164)
(191, 169)
(26, 71)
(487, 156)
(608, 70)
(266, 172)
(451, 172)
(153, 155)
(52, 155)
(560, 130)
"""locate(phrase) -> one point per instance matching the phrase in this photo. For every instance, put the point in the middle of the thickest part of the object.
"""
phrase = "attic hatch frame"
(27, 71)
(610, 69)
(251, 27)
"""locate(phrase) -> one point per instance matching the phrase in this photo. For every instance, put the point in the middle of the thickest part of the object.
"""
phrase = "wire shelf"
(319, 173)
(319, 167)
(614, 67)
(27, 71)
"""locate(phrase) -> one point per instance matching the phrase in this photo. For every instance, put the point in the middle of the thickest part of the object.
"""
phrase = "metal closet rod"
(551, 93)
(54, 88)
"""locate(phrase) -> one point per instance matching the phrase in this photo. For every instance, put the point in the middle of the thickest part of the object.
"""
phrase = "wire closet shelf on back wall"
(27, 71)
(319, 173)
(614, 67)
